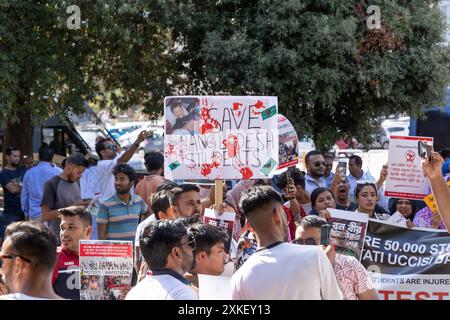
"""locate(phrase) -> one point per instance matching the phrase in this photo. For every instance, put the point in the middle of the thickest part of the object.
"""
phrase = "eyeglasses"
(190, 243)
(318, 164)
(307, 241)
(111, 147)
(12, 256)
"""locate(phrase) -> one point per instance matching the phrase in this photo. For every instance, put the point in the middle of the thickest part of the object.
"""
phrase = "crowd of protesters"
(275, 245)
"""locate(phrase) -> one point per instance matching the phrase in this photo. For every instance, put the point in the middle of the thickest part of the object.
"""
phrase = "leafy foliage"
(333, 76)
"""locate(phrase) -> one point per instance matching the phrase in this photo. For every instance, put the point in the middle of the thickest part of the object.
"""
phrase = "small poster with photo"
(348, 231)
(106, 269)
(224, 221)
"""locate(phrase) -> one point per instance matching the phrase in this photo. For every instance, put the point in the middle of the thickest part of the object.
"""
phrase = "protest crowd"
(273, 249)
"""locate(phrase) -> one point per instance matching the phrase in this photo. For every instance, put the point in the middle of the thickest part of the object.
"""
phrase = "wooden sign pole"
(218, 194)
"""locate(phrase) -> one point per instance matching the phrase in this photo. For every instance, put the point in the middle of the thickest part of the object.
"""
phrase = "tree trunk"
(19, 134)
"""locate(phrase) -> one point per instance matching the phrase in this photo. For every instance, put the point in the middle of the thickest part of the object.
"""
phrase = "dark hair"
(316, 193)
(125, 169)
(46, 153)
(166, 185)
(258, 196)
(360, 186)
(33, 241)
(296, 175)
(358, 160)
(81, 212)
(328, 155)
(207, 236)
(11, 149)
(179, 190)
(157, 240)
(312, 153)
(77, 159)
(311, 222)
(154, 160)
(445, 153)
(100, 146)
(160, 201)
(189, 221)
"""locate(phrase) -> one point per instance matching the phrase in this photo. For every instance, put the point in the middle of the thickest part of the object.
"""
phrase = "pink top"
(352, 277)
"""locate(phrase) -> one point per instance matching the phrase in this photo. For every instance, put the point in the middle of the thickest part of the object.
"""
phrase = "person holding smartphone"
(353, 279)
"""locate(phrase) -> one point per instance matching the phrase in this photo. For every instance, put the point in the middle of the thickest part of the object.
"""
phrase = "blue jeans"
(6, 220)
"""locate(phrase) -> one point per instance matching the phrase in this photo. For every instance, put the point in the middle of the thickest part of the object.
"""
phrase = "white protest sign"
(220, 137)
(398, 219)
(405, 176)
(214, 287)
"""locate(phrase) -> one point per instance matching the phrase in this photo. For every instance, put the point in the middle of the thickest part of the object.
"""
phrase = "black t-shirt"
(12, 204)
(59, 193)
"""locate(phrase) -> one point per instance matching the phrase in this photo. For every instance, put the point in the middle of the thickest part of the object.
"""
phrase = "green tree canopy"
(332, 74)
(47, 68)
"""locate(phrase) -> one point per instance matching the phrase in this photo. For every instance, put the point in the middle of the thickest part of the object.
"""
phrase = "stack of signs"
(106, 269)
(224, 221)
(348, 232)
(406, 178)
(288, 143)
(220, 137)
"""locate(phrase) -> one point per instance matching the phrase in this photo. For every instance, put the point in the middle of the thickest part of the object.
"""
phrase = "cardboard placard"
(220, 137)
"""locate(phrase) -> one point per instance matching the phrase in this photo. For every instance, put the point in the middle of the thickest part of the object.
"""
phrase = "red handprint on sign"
(208, 123)
(232, 145)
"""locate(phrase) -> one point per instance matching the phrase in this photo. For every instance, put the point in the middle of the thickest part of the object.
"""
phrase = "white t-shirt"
(20, 296)
(162, 287)
(106, 177)
(141, 227)
(286, 271)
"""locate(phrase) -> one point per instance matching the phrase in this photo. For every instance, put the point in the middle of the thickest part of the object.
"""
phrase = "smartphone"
(325, 234)
(424, 150)
(342, 168)
(289, 178)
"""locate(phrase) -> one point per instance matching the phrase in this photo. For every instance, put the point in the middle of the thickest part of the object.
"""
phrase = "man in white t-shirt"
(167, 248)
(27, 260)
(277, 269)
(107, 151)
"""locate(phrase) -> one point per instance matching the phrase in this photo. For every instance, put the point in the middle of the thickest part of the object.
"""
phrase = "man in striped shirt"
(119, 215)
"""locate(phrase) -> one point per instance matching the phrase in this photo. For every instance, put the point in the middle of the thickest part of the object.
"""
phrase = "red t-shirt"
(66, 274)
